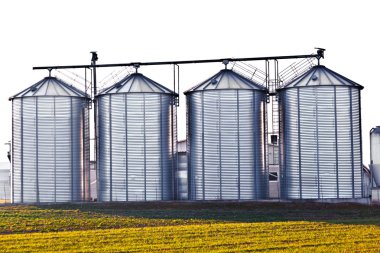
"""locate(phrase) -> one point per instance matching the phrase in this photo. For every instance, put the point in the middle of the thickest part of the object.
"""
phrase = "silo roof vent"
(50, 86)
(136, 83)
(320, 75)
(226, 79)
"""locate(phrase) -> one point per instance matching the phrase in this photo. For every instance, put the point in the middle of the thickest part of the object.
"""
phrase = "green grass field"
(190, 227)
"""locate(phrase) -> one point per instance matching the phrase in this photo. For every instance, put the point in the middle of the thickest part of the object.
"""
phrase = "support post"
(93, 65)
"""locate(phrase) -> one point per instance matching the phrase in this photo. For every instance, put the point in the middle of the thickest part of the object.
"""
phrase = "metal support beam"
(94, 59)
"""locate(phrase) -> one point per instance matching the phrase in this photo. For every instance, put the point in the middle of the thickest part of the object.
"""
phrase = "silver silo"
(137, 138)
(320, 136)
(375, 154)
(50, 137)
(225, 129)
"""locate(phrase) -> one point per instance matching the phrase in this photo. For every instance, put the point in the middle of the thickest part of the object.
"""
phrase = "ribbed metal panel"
(136, 146)
(181, 179)
(321, 142)
(225, 144)
(50, 150)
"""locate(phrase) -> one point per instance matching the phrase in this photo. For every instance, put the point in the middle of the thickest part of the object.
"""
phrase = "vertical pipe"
(280, 161)
(88, 162)
(299, 143)
(87, 148)
(264, 183)
(55, 150)
(110, 141)
(161, 153)
(280, 146)
(85, 80)
(176, 122)
(172, 147)
(360, 136)
(352, 147)
(174, 78)
(190, 180)
(178, 83)
(265, 126)
(22, 151)
(126, 146)
(281, 156)
(336, 144)
(317, 138)
(12, 157)
(72, 181)
(144, 130)
(83, 189)
(173, 164)
(71, 152)
(85, 167)
(276, 76)
(82, 196)
(282, 153)
(255, 188)
(203, 147)
(37, 179)
(220, 149)
(173, 139)
(370, 156)
(238, 138)
(93, 64)
(266, 74)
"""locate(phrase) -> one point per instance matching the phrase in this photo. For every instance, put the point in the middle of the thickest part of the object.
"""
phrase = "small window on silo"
(273, 139)
(273, 176)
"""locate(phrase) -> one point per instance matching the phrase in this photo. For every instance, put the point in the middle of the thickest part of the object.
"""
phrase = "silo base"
(375, 196)
(363, 201)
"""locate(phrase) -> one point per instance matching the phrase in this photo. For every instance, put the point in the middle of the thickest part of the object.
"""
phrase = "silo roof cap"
(50, 86)
(375, 130)
(136, 83)
(321, 76)
(227, 79)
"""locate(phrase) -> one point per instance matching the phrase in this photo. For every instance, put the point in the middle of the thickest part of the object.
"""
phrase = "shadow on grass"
(232, 211)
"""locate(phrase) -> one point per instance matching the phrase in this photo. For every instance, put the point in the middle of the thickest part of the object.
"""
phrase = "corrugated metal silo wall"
(225, 145)
(321, 142)
(136, 147)
(48, 149)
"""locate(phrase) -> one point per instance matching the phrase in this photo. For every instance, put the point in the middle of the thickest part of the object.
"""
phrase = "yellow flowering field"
(230, 237)
(190, 227)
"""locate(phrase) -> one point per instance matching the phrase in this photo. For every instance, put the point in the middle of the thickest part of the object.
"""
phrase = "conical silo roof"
(136, 83)
(50, 86)
(321, 76)
(226, 79)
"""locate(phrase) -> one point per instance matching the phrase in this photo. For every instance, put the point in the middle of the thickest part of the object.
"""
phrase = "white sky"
(40, 33)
